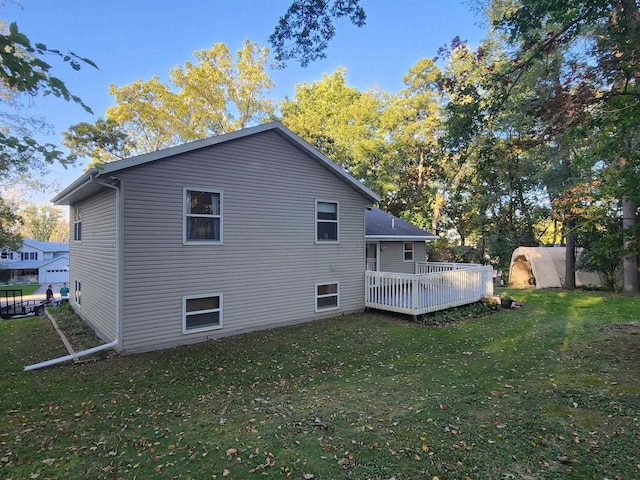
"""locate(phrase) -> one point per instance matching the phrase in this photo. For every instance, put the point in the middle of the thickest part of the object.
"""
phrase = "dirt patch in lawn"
(624, 328)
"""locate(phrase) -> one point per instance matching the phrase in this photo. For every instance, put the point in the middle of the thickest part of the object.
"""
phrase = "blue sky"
(136, 39)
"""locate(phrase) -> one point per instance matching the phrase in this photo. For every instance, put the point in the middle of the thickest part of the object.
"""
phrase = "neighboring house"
(393, 245)
(244, 231)
(36, 262)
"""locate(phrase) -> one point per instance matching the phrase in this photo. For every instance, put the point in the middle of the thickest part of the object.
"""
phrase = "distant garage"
(56, 276)
(55, 271)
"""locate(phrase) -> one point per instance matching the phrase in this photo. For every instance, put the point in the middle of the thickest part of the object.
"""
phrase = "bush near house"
(549, 390)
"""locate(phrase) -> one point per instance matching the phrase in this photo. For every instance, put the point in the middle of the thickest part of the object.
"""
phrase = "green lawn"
(549, 391)
(26, 289)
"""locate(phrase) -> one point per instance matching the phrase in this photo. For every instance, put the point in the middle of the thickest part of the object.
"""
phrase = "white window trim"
(185, 191)
(404, 251)
(77, 214)
(77, 299)
(186, 331)
(75, 231)
(316, 296)
(325, 242)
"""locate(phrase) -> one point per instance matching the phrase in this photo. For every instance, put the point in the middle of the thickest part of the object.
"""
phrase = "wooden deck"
(438, 286)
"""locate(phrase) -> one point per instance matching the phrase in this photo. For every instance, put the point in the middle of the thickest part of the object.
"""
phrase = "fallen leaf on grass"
(49, 461)
(308, 476)
(232, 451)
(226, 472)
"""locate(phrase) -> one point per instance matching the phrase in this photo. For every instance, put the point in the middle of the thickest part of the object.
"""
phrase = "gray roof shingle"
(381, 225)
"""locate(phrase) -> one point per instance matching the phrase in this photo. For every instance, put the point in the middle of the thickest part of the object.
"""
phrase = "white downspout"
(106, 346)
(66, 358)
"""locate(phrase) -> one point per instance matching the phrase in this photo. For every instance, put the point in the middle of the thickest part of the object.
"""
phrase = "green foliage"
(304, 31)
(341, 122)
(23, 71)
(41, 222)
(101, 142)
(460, 314)
(210, 96)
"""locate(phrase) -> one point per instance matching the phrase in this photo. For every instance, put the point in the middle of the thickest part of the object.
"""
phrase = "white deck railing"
(419, 293)
(432, 267)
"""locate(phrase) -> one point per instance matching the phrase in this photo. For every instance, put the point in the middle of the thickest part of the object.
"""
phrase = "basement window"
(201, 312)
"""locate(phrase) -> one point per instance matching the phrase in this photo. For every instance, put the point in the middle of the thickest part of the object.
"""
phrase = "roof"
(90, 182)
(30, 264)
(381, 225)
(46, 246)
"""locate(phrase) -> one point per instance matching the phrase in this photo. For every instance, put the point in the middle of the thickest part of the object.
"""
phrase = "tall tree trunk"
(630, 260)
(570, 257)
(437, 212)
(629, 9)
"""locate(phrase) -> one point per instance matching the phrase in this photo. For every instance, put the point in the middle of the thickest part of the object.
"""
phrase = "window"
(29, 256)
(201, 313)
(408, 251)
(77, 222)
(6, 255)
(327, 296)
(326, 221)
(77, 293)
(202, 216)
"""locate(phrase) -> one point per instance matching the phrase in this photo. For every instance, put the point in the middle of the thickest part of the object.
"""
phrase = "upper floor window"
(6, 255)
(408, 252)
(202, 216)
(326, 221)
(77, 222)
(29, 256)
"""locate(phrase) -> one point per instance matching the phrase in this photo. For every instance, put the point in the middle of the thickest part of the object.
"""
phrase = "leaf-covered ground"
(548, 391)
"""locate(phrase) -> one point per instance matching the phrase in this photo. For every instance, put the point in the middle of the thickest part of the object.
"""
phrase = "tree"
(40, 223)
(23, 71)
(220, 96)
(102, 141)
(413, 119)
(606, 83)
(340, 121)
(211, 96)
(304, 31)
(148, 112)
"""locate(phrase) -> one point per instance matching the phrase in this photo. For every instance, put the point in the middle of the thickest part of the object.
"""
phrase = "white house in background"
(393, 245)
(36, 262)
(240, 232)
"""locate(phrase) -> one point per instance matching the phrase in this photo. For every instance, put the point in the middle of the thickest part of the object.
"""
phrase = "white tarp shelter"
(545, 267)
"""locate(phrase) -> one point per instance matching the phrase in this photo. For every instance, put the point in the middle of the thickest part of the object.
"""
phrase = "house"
(36, 262)
(399, 279)
(393, 245)
(240, 232)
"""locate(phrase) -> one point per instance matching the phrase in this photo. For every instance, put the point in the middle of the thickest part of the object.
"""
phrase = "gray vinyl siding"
(93, 263)
(392, 256)
(268, 264)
